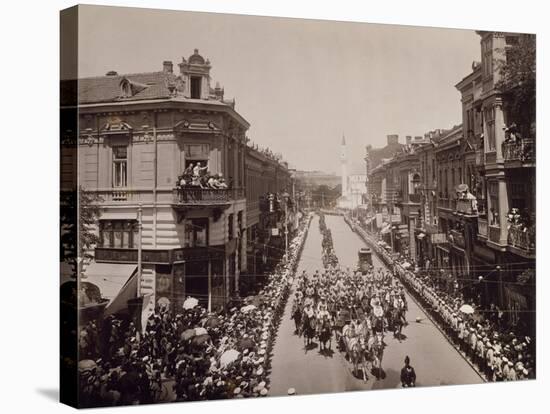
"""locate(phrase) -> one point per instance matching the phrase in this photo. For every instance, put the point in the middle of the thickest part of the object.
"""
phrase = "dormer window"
(196, 87)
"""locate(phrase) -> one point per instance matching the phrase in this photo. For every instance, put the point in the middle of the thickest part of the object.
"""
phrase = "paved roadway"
(435, 360)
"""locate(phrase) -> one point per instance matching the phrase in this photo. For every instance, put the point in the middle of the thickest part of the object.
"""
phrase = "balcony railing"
(482, 227)
(206, 196)
(447, 203)
(458, 238)
(466, 207)
(522, 237)
(414, 198)
(523, 151)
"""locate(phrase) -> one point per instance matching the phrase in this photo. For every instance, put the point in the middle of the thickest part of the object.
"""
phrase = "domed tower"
(195, 74)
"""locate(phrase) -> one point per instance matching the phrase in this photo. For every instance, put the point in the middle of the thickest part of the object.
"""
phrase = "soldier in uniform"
(408, 375)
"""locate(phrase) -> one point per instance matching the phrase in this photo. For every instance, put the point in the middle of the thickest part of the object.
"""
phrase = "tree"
(79, 215)
(518, 82)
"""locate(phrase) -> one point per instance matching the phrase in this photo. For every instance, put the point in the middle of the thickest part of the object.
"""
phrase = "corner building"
(137, 134)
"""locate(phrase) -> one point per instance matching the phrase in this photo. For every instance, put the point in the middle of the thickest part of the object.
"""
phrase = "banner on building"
(274, 231)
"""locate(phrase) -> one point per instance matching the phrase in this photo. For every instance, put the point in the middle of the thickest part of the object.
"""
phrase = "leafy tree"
(518, 82)
(79, 215)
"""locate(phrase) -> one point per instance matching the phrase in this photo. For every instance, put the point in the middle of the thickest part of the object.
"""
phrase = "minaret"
(344, 162)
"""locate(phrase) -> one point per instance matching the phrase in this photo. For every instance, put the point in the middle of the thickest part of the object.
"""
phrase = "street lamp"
(285, 197)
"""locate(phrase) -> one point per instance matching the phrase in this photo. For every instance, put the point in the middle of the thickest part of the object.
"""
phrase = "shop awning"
(109, 277)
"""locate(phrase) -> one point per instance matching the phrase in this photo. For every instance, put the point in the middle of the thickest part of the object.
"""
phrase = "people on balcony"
(197, 176)
(520, 222)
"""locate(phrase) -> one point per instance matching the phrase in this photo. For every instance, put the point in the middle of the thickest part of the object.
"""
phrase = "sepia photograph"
(256, 207)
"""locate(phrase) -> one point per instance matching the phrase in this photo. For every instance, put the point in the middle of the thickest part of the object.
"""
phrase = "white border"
(29, 345)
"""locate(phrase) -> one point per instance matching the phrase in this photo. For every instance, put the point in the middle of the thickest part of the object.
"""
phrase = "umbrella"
(188, 334)
(467, 309)
(248, 308)
(86, 365)
(228, 357)
(406, 265)
(190, 303)
(213, 322)
(200, 339)
(246, 343)
(200, 331)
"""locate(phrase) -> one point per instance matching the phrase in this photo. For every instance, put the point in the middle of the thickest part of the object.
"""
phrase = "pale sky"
(300, 83)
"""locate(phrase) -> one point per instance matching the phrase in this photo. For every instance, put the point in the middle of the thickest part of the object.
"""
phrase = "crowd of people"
(498, 354)
(196, 175)
(187, 354)
(357, 307)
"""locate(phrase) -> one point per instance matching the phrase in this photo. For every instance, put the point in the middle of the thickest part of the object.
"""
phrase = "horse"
(324, 333)
(308, 329)
(377, 346)
(357, 354)
(296, 315)
(398, 321)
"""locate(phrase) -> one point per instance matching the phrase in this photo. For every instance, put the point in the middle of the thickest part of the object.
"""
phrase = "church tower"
(344, 162)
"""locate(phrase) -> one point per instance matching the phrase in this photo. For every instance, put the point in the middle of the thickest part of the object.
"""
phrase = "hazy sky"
(300, 83)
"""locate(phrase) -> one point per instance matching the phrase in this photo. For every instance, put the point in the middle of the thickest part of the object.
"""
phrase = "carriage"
(365, 260)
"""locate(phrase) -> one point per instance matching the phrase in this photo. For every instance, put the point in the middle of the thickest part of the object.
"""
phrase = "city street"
(435, 360)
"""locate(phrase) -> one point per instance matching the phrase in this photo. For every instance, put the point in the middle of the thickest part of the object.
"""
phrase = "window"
(487, 57)
(490, 125)
(195, 153)
(120, 166)
(196, 87)
(196, 232)
(118, 233)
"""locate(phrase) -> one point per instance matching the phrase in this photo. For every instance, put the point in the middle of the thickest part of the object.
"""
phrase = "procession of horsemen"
(356, 307)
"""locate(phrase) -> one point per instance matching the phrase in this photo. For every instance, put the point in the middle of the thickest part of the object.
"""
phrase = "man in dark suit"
(408, 376)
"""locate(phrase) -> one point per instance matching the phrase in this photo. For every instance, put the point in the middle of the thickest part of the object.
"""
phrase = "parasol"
(467, 309)
(190, 303)
(86, 365)
(406, 265)
(248, 308)
(200, 339)
(188, 334)
(200, 331)
(228, 357)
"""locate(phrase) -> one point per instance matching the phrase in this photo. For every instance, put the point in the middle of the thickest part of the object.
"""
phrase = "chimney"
(111, 73)
(409, 139)
(167, 66)
(393, 139)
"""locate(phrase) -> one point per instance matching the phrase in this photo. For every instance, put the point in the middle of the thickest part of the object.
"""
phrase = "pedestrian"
(408, 375)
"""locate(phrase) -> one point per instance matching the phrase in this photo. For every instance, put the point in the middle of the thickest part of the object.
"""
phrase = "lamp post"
(285, 198)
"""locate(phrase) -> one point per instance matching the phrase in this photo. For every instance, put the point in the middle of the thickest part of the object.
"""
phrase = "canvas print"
(255, 206)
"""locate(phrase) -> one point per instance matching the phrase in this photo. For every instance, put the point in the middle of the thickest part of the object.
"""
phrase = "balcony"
(523, 238)
(458, 239)
(446, 203)
(497, 235)
(468, 207)
(158, 256)
(521, 153)
(205, 196)
(482, 228)
(414, 198)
